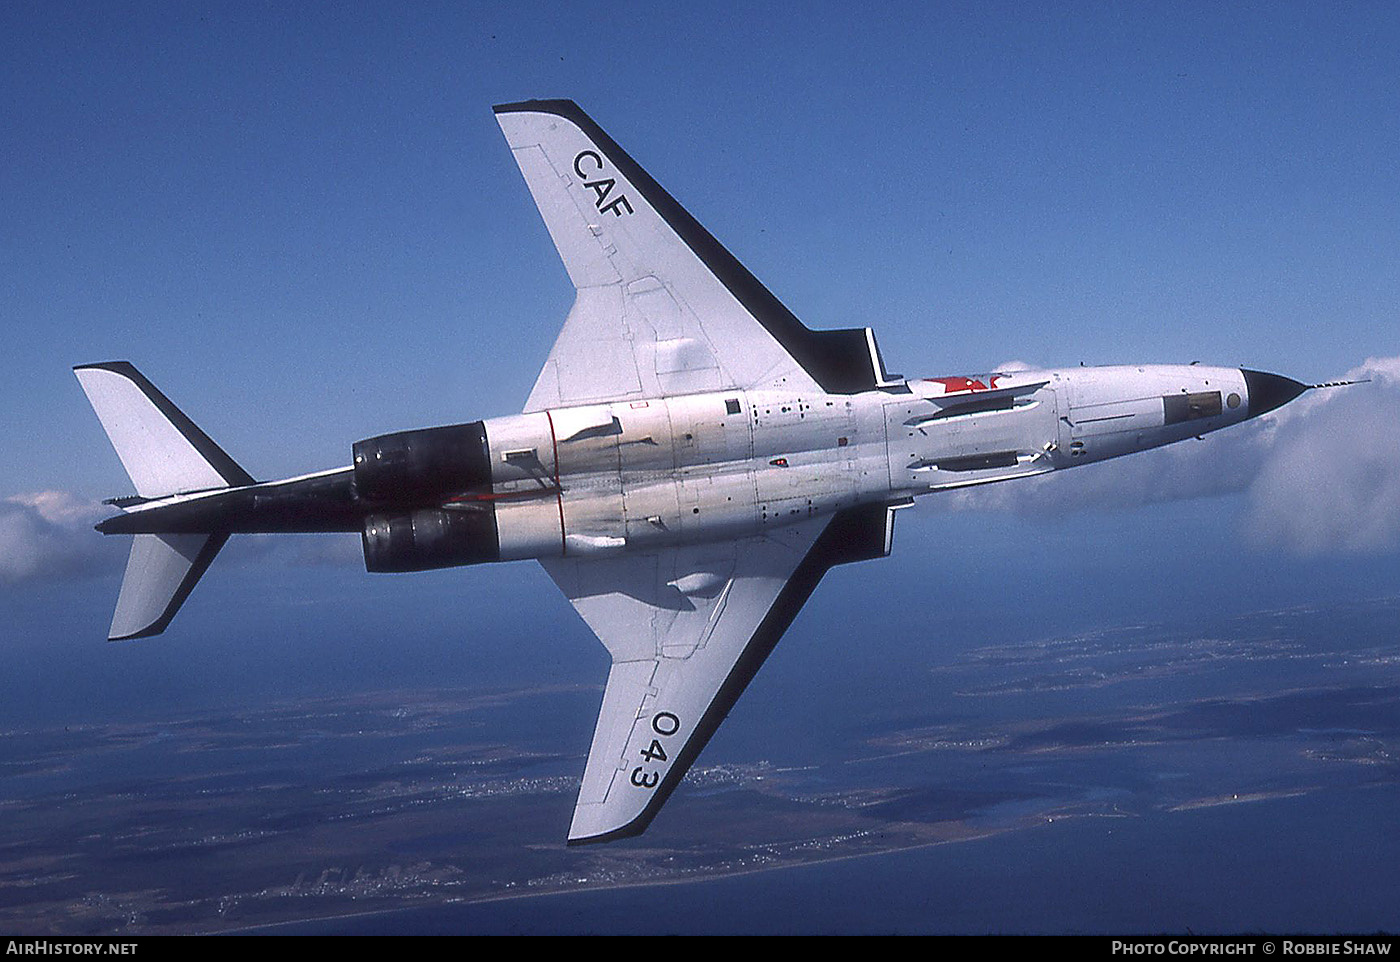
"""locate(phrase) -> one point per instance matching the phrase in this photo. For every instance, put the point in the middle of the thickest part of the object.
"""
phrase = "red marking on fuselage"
(964, 385)
(503, 496)
(559, 491)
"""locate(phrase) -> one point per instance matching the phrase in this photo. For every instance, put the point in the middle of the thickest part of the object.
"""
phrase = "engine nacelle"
(431, 538)
(416, 467)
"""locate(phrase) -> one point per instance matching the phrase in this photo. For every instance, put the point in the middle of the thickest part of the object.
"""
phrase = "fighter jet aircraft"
(691, 462)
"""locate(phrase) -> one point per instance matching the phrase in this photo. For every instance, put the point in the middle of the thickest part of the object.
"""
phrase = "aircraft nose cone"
(1269, 391)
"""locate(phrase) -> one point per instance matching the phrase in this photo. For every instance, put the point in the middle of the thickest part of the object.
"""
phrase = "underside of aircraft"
(690, 463)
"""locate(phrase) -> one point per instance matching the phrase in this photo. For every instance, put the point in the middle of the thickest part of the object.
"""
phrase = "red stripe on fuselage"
(559, 491)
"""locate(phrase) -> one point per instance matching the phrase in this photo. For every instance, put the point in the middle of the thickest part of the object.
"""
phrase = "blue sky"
(304, 225)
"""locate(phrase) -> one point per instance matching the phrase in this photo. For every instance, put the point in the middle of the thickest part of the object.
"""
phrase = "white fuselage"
(605, 478)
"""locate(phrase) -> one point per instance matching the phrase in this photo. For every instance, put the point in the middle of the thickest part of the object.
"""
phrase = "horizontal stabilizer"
(162, 450)
(160, 574)
(165, 453)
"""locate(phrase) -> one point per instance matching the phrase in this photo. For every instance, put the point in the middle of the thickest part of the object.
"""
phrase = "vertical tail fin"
(165, 453)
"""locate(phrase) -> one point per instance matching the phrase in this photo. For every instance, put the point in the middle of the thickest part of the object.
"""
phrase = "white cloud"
(1320, 474)
(1008, 367)
(1331, 481)
(49, 535)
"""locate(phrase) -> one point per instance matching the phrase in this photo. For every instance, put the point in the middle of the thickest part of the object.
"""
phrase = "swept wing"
(687, 628)
(661, 307)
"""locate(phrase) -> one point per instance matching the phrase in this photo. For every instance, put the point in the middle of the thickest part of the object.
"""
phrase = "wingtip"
(562, 106)
(587, 830)
(156, 627)
(631, 830)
